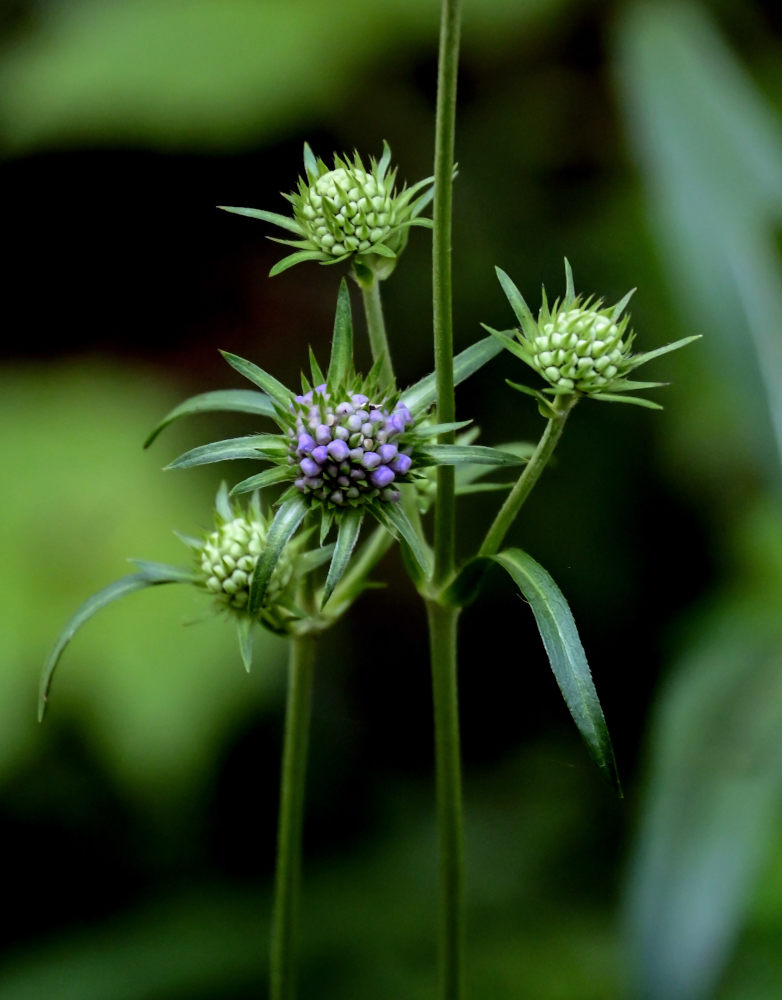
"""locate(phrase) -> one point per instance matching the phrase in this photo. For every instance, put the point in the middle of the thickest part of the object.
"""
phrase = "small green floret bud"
(227, 561)
(580, 348)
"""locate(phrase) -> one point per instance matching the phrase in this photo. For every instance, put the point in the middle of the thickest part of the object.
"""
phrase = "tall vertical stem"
(376, 329)
(287, 888)
(442, 620)
(442, 637)
(444, 531)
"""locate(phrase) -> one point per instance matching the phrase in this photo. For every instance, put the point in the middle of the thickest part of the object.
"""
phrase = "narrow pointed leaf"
(510, 344)
(310, 163)
(342, 342)
(113, 592)
(287, 519)
(620, 306)
(154, 572)
(283, 221)
(269, 477)
(318, 378)
(347, 536)
(297, 258)
(641, 359)
(464, 454)
(253, 446)
(566, 654)
(222, 502)
(610, 397)
(515, 298)
(383, 251)
(309, 561)
(244, 633)
(227, 400)
(420, 396)
(394, 519)
(259, 377)
(570, 288)
(433, 430)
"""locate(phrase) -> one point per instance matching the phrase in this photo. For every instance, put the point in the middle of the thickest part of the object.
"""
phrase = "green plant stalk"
(376, 329)
(442, 637)
(532, 470)
(442, 311)
(287, 888)
(442, 620)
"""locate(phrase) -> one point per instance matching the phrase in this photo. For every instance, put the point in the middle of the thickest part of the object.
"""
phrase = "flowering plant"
(349, 452)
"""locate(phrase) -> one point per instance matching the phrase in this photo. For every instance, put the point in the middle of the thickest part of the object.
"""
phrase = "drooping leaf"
(566, 654)
(225, 400)
(420, 396)
(113, 592)
(287, 519)
(155, 572)
(347, 536)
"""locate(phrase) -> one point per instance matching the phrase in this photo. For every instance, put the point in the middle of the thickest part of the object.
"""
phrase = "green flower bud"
(226, 562)
(350, 211)
(579, 347)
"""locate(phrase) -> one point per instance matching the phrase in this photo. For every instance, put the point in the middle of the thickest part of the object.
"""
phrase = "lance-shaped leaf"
(109, 594)
(395, 520)
(283, 221)
(566, 654)
(466, 454)
(220, 400)
(342, 342)
(287, 519)
(347, 536)
(259, 377)
(277, 474)
(253, 446)
(244, 633)
(421, 395)
(155, 572)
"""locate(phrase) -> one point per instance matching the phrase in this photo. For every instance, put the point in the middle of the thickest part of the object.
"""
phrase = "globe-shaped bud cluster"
(348, 452)
(227, 560)
(580, 349)
(346, 210)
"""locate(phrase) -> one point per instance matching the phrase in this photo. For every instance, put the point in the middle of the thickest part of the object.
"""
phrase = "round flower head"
(579, 347)
(227, 558)
(347, 449)
(349, 211)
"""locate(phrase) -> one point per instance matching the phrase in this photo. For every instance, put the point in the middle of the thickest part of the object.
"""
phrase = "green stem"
(442, 637)
(442, 317)
(532, 471)
(287, 887)
(376, 328)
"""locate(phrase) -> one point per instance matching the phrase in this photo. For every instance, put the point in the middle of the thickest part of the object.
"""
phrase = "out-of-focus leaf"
(712, 804)
(711, 150)
(421, 395)
(185, 73)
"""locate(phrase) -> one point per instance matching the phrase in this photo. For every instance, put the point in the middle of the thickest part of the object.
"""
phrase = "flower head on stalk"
(579, 346)
(344, 448)
(225, 566)
(350, 211)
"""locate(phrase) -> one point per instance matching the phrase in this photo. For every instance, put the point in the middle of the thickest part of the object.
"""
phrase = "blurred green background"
(137, 826)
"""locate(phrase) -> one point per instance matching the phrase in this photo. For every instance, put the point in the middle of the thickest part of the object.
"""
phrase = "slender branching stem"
(442, 637)
(287, 890)
(445, 514)
(526, 481)
(376, 328)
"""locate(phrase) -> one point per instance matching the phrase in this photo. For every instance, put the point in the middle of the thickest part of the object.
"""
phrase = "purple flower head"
(345, 450)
